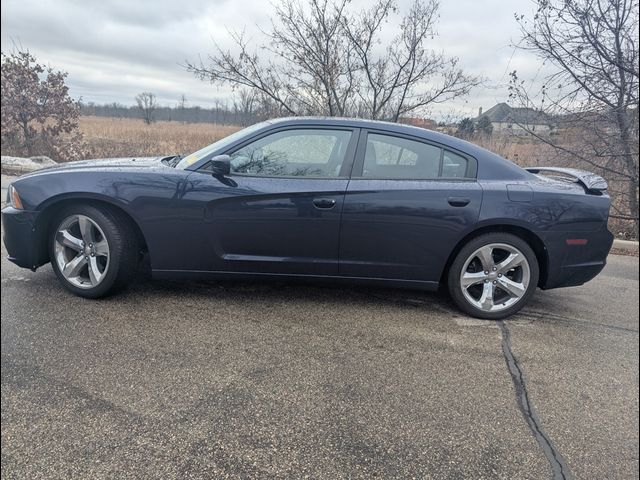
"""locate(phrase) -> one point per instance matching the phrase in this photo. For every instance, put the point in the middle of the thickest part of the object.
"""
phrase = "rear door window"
(454, 165)
(390, 157)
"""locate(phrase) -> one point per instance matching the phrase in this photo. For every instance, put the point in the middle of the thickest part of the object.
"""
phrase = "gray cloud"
(115, 49)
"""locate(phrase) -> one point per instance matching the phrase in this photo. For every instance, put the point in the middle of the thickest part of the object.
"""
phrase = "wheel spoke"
(514, 289)
(94, 273)
(64, 237)
(485, 255)
(102, 248)
(74, 266)
(486, 299)
(469, 279)
(511, 262)
(86, 229)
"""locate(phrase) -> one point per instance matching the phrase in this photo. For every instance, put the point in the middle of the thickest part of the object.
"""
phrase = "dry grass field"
(118, 137)
(124, 137)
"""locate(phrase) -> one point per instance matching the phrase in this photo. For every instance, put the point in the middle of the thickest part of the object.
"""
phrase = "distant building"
(506, 119)
(418, 122)
(447, 129)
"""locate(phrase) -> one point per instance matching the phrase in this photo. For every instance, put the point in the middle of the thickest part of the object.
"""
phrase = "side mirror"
(221, 165)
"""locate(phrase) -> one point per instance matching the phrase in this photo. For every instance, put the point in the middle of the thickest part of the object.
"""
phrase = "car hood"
(102, 163)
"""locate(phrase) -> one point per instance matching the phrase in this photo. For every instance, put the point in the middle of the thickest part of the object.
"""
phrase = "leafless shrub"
(38, 115)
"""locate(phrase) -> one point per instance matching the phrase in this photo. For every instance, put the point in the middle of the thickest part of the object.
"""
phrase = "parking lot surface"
(170, 380)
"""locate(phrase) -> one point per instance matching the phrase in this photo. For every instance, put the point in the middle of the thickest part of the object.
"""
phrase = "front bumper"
(576, 264)
(20, 237)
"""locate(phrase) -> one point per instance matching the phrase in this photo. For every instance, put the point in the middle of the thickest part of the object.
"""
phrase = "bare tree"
(406, 75)
(182, 103)
(245, 106)
(323, 59)
(147, 104)
(38, 115)
(592, 47)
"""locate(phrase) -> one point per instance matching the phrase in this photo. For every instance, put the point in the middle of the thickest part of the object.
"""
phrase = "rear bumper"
(575, 264)
(19, 237)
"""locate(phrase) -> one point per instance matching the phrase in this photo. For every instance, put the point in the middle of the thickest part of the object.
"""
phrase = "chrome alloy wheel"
(495, 277)
(81, 251)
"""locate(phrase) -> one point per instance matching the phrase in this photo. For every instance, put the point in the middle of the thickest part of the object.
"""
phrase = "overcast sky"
(114, 49)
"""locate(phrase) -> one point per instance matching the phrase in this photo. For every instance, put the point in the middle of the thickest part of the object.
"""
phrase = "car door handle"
(324, 203)
(458, 201)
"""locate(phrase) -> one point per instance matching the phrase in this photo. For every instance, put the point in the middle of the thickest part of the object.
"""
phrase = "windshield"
(220, 144)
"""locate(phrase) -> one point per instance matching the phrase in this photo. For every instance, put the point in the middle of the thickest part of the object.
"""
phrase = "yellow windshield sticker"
(190, 160)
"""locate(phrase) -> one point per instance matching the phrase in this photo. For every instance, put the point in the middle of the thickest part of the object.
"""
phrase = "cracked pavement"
(234, 380)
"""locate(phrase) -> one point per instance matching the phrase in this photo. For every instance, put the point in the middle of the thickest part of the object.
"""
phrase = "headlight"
(13, 198)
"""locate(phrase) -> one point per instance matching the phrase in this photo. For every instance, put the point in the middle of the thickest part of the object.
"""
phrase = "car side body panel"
(269, 225)
(402, 229)
(570, 224)
(151, 196)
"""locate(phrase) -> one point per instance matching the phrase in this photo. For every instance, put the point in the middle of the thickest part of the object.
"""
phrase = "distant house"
(418, 122)
(506, 119)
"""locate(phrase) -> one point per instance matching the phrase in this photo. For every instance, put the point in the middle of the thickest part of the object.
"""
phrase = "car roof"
(374, 125)
(490, 165)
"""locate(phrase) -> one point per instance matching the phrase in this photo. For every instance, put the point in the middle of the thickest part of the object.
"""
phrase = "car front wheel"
(493, 276)
(93, 250)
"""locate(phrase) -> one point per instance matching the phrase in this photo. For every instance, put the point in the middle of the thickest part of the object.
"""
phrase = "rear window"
(390, 157)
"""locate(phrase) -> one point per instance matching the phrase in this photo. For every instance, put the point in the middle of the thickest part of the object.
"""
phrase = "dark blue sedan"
(340, 200)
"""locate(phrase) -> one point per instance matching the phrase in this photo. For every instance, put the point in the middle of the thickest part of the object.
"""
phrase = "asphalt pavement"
(198, 380)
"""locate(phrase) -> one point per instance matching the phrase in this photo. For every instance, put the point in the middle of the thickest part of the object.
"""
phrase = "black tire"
(123, 246)
(455, 272)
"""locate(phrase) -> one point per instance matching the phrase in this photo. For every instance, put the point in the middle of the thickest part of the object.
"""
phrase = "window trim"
(345, 169)
(471, 175)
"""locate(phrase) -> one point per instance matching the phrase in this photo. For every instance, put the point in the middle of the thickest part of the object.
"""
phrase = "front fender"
(151, 199)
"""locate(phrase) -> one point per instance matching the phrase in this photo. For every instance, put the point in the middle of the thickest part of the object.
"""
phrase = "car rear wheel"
(493, 276)
(93, 250)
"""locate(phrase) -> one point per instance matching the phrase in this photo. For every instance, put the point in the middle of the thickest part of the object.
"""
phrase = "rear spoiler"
(590, 181)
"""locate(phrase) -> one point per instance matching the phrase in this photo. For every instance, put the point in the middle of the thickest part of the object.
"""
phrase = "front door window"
(297, 153)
